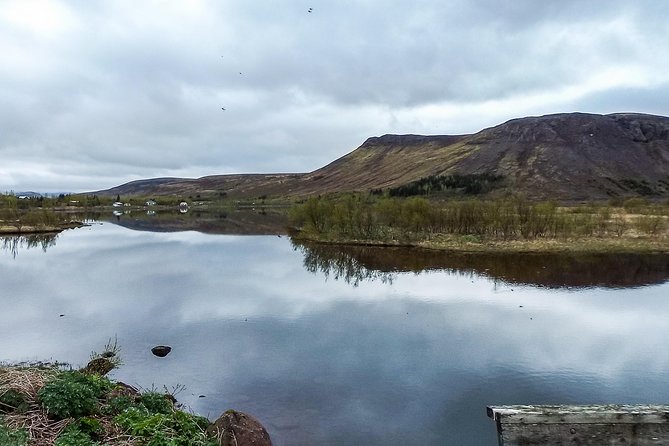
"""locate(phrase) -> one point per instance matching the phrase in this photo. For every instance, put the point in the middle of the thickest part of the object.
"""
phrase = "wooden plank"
(638, 425)
(602, 414)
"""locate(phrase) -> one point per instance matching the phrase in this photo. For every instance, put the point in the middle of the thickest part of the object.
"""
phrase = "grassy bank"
(505, 225)
(46, 404)
(14, 220)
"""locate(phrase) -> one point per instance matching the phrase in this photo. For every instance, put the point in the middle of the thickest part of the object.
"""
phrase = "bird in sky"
(223, 108)
(310, 10)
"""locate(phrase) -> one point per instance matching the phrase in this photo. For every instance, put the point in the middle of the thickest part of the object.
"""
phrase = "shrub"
(91, 427)
(13, 401)
(117, 404)
(157, 403)
(73, 394)
(13, 437)
(72, 436)
(635, 203)
(174, 429)
(650, 224)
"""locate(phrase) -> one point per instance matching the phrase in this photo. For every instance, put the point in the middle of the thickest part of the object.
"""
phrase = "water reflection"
(354, 264)
(332, 261)
(225, 221)
(320, 362)
(14, 243)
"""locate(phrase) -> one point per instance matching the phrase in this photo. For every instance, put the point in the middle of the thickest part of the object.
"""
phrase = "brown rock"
(234, 428)
(98, 366)
(123, 389)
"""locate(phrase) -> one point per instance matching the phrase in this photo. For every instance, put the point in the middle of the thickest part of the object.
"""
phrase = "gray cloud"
(94, 94)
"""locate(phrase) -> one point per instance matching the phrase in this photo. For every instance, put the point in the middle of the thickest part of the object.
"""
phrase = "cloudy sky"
(94, 94)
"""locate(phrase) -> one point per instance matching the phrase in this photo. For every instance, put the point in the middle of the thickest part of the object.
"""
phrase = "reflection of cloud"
(321, 362)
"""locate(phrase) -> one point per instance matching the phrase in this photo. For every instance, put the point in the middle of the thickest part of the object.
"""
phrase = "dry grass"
(42, 431)
(27, 381)
(625, 244)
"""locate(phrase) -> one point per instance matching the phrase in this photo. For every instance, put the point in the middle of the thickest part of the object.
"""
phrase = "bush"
(91, 427)
(157, 403)
(13, 401)
(73, 394)
(157, 429)
(13, 437)
(650, 224)
(117, 404)
(72, 436)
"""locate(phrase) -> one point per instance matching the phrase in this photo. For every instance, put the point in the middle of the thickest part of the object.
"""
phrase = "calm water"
(342, 347)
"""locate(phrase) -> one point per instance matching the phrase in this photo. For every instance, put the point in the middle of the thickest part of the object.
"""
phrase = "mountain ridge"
(564, 156)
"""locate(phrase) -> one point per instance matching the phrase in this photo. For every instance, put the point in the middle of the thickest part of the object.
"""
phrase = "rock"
(161, 350)
(234, 428)
(98, 366)
(123, 389)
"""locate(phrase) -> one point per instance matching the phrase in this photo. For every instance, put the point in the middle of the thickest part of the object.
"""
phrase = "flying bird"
(223, 108)
(310, 10)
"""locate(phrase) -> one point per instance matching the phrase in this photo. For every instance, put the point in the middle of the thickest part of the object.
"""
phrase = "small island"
(7, 228)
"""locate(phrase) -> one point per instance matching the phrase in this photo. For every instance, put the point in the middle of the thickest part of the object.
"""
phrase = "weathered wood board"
(594, 425)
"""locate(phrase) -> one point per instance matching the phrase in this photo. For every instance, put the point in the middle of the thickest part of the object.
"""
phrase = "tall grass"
(393, 219)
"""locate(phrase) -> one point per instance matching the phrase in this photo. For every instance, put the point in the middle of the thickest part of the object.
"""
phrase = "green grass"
(70, 408)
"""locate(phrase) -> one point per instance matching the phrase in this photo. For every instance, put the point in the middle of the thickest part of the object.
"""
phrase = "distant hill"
(570, 156)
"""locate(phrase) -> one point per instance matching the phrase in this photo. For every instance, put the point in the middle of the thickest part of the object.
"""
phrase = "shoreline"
(30, 230)
(468, 245)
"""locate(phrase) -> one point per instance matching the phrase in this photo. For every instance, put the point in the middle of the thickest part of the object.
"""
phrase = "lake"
(340, 346)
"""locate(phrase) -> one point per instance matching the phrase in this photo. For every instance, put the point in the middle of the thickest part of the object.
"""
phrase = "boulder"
(234, 428)
(161, 350)
(123, 389)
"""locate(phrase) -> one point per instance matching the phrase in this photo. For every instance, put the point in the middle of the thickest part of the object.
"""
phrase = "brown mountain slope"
(574, 156)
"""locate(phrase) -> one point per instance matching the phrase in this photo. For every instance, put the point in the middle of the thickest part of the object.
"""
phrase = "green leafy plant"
(90, 426)
(157, 403)
(73, 394)
(72, 436)
(158, 429)
(13, 437)
(13, 401)
(117, 404)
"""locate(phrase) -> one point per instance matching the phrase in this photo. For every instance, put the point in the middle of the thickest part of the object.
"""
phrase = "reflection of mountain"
(15, 243)
(359, 263)
(223, 222)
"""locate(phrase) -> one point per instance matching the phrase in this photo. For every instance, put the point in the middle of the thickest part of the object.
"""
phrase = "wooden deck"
(594, 425)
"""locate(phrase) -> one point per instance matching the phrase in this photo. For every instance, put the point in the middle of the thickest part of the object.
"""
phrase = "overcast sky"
(97, 93)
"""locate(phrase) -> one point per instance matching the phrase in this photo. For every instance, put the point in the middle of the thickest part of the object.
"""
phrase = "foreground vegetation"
(509, 224)
(46, 404)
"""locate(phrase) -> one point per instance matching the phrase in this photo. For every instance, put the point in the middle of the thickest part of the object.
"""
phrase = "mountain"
(569, 156)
